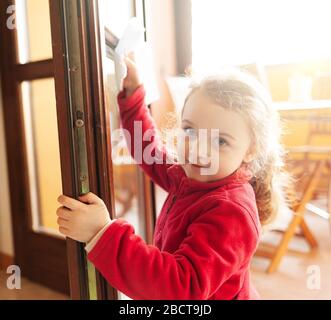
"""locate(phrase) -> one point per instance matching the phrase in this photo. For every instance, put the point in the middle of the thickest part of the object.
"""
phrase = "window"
(34, 30)
(269, 32)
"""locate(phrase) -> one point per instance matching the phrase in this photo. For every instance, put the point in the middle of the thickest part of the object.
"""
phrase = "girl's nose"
(204, 149)
(203, 161)
(199, 153)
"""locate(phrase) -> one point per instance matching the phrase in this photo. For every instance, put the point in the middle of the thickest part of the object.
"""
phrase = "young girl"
(210, 224)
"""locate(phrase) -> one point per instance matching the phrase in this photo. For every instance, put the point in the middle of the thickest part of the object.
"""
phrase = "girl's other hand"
(132, 80)
(82, 220)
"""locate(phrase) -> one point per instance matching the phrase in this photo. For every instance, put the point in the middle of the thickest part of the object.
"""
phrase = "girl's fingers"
(64, 231)
(64, 213)
(68, 202)
(90, 198)
(63, 224)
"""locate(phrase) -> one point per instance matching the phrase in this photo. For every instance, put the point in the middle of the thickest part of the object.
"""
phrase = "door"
(31, 130)
(86, 103)
(60, 112)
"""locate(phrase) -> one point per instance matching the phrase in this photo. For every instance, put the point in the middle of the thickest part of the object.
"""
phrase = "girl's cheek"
(215, 163)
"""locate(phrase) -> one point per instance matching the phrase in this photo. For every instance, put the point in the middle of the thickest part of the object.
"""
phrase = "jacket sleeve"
(216, 245)
(152, 156)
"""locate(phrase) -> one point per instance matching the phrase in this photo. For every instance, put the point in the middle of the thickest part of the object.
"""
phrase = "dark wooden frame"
(75, 250)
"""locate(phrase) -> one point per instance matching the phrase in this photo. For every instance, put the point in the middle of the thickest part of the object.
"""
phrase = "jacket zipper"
(173, 200)
(167, 212)
(172, 203)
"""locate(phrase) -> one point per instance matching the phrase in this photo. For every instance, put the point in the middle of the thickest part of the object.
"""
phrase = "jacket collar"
(185, 185)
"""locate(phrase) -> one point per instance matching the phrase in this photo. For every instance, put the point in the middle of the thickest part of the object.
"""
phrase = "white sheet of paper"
(133, 41)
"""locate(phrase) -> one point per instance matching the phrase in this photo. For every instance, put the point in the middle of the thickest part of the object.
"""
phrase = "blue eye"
(190, 131)
(217, 142)
(221, 141)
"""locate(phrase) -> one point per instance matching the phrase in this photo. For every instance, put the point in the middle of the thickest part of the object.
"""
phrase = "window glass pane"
(127, 177)
(125, 171)
(33, 30)
(43, 152)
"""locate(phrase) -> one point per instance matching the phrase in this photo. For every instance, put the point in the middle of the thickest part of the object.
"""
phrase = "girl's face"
(216, 140)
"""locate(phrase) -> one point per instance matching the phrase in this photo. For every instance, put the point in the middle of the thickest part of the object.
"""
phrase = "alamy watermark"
(313, 277)
(13, 277)
(11, 20)
(200, 147)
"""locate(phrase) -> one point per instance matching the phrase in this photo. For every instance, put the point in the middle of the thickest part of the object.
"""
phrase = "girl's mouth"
(196, 165)
(199, 166)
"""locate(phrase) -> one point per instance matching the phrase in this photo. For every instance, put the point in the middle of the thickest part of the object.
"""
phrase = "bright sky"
(268, 31)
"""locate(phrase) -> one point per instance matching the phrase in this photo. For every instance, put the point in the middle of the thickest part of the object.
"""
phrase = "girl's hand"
(132, 80)
(82, 221)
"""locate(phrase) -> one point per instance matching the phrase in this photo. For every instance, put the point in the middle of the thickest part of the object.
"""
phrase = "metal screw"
(74, 68)
(79, 123)
(82, 177)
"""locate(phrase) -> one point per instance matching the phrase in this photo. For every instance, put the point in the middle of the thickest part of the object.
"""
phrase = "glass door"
(131, 188)
(86, 99)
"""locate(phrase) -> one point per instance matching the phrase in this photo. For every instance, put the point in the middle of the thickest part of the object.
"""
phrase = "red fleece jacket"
(204, 239)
